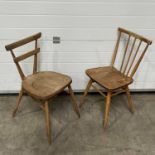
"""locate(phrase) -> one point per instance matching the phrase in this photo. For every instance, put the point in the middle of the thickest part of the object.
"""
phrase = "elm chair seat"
(108, 77)
(46, 84)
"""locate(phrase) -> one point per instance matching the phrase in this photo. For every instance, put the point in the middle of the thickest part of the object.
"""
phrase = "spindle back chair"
(41, 86)
(116, 78)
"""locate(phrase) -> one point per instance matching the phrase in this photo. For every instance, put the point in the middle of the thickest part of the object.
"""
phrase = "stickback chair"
(41, 86)
(115, 80)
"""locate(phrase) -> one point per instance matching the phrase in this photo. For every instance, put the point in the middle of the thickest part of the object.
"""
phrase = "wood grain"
(41, 86)
(116, 81)
(23, 41)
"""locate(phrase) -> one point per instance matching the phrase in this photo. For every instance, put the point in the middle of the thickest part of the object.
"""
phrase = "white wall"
(88, 32)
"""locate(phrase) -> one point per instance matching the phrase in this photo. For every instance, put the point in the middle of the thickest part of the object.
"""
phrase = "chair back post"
(35, 58)
(128, 64)
(34, 52)
(116, 48)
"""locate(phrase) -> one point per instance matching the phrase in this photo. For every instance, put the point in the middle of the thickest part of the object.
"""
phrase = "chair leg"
(107, 108)
(76, 109)
(85, 92)
(48, 121)
(130, 104)
(18, 102)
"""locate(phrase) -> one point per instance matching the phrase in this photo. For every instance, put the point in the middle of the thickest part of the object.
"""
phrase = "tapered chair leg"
(18, 102)
(85, 92)
(107, 108)
(76, 109)
(48, 122)
(130, 104)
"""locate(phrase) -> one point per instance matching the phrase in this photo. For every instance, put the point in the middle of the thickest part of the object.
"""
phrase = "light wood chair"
(41, 86)
(115, 80)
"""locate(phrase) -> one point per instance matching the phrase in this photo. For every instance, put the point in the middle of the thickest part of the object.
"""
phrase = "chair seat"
(44, 85)
(108, 77)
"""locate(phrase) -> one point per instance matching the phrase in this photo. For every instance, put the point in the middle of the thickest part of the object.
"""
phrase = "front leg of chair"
(76, 109)
(107, 108)
(130, 104)
(85, 92)
(48, 121)
(18, 102)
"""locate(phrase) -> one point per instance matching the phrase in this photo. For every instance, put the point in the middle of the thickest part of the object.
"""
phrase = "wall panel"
(88, 31)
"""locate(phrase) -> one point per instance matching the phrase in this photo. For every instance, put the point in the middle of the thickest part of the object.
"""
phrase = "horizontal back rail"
(23, 41)
(26, 55)
(135, 35)
(33, 52)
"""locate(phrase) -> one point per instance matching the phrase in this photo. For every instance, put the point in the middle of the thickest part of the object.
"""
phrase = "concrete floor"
(128, 134)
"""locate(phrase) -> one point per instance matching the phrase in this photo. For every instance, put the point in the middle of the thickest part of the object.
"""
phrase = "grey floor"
(127, 134)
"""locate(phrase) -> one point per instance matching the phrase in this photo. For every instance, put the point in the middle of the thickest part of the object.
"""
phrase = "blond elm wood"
(41, 86)
(107, 108)
(85, 92)
(116, 49)
(140, 37)
(23, 41)
(125, 68)
(118, 92)
(139, 60)
(45, 84)
(126, 48)
(103, 94)
(48, 121)
(130, 104)
(27, 55)
(116, 80)
(75, 107)
(35, 58)
(18, 102)
(108, 77)
(134, 57)
(18, 66)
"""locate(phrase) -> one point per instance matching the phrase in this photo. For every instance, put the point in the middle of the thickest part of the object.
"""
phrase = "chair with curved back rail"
(41, 86)
(116, 81)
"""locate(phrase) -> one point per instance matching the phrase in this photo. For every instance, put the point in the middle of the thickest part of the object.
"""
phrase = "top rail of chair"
(135, 35)
(23, 41)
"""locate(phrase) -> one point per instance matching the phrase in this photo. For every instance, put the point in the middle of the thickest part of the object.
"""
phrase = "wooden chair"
(115, 80)
(41, 86)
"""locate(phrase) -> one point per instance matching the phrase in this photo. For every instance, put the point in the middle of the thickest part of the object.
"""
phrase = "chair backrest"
(135, 46)
(33, 52)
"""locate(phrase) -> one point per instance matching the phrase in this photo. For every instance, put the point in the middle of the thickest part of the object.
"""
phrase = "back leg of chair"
(107, 108)
(130, 104)
(48, 121)
(76, 109)
(85, 92)
(18, 102)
